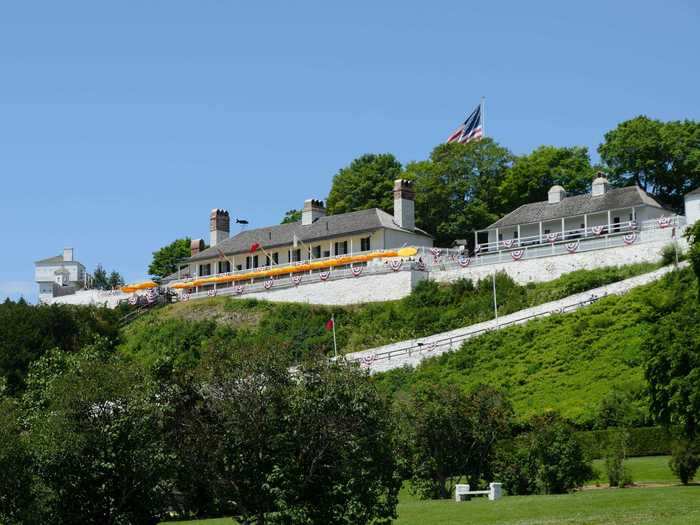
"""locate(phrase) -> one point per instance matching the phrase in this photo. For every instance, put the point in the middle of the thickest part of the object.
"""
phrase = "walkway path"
(413, 351)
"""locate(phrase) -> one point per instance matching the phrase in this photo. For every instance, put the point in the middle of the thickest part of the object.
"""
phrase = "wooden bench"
(462, 492)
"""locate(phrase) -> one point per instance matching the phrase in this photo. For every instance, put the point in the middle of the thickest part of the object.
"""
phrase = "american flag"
(471, 129)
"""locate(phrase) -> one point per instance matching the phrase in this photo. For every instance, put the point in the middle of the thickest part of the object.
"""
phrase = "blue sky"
(123, 123)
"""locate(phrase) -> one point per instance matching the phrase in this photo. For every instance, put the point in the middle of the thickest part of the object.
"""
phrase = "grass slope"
(568, 362)
(645, 470)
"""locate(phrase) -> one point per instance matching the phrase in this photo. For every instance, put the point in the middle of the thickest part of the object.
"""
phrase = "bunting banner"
(420, 265)
(598, 230)
(629, 238)
(436, 254)
(367, 360)
(211, 293)
(324, 275)
(463, 261)
(633, 225)
(571, 247)
(396, 265)
(238, 289)
(268, 283)
(431, 347)
(356, 270)
(508, 243)
(517, 254)
(184, 296)
(151, 296)
(134, 299)
(552, 237)
(664, 222)
(296, 279)
(477, 249)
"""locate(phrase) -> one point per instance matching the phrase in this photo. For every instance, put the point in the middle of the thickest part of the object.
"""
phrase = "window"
(515, 234)
(316, 252)
(255, 261)
(500, 236)
(616, 222)
(327, 253)
(341, 248)
(247, 263)
(224, 267)
(205, 269)
(294, 255)
(275, 259)
(365, 244)
(547, 231)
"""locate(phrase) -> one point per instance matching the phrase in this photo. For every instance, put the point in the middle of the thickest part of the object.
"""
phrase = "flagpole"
(335, 343)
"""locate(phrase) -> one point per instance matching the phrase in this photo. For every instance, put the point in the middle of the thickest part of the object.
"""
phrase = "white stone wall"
(363, 289)
(440, 343)
(397, 239)
(548, 268)
(692, 208)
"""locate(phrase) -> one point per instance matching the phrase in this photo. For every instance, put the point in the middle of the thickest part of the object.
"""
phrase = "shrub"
(685, 460)
(670, 252)
(618, 474)
(644, 441)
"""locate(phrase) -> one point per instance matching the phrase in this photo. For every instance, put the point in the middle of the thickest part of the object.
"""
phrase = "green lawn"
(673, 505)
(651, 469)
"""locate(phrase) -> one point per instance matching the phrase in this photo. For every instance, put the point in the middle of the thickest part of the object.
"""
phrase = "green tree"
(100, 280)
(166, 260)
(366, 183)
(98, 443)
(115, 280)
(534, 174)
(17, 487)
(693, 236)
(291, 216)
(450, 434)
(685, 460)
(661, 157)
(457, 188)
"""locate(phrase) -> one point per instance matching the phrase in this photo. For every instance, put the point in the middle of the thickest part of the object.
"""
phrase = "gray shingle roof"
(577, 205)
(323, 228)
(58, 259)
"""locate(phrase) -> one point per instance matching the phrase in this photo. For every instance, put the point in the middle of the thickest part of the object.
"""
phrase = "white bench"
(462, 492)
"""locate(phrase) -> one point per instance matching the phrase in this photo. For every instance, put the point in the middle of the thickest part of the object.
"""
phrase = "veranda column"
(498, 242)
(350, 245)
(563, 225)
(609, 221)
(540, 232)
(518, 235)
(585, 224)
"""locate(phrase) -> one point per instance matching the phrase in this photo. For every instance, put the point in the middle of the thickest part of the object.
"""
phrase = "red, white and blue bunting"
(517, 254)
(477, 249)
(296, 279)
(356, 270)
(134, 299)
(629, 238)
(633, 225)
(420, 265)
(396, 264)
(508, 243)
(664, 222)
(268, 283)
(324, 275)
(571, 247)
(436, 254)
(184, 296)
(463, 261)
(238, 289)
(212, 292)
(552, 237)
(367, 360)
(597, 230)
(431, 347)
(151, 296)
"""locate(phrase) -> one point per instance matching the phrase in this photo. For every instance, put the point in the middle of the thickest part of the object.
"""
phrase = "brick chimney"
(219, 226)
(313, 210)
(196, 246)
(404, 205)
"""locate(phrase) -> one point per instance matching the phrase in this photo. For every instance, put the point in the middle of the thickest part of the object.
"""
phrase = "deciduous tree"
(166, 259)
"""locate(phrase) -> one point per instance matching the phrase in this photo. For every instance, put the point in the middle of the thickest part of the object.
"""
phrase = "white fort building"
(316, 236)
(59, 275)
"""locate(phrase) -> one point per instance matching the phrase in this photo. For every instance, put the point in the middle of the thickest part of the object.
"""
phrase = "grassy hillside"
(567, 363)
(297, 330)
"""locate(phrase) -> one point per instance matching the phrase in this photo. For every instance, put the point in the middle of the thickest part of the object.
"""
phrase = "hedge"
(645, 441)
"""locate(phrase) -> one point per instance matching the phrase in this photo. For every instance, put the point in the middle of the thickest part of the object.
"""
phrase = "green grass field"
(672, 505)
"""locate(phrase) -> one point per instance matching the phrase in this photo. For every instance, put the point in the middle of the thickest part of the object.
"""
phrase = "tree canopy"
(166, 259)
(291, 216)
(661, 157)
(366, 183)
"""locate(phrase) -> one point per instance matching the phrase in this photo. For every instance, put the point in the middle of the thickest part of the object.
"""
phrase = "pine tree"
(99, 278)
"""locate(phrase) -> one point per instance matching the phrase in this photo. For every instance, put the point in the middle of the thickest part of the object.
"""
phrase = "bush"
(669, 253)
(618, 474)
(548, 460)
(685, 460)
(646, 441)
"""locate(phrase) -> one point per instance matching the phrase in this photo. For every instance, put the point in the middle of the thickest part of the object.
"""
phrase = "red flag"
(254, 247)
(329, 325)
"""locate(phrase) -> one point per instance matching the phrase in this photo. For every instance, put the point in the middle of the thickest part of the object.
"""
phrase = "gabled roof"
(58, 259)
(577, 205)
(323, 228)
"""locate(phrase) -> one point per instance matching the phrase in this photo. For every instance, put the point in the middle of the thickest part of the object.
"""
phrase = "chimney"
(196, 246)
(313, 210)
(219, 226)
(600, 185)
(67, 254)
(404, 206)
(556, 194)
